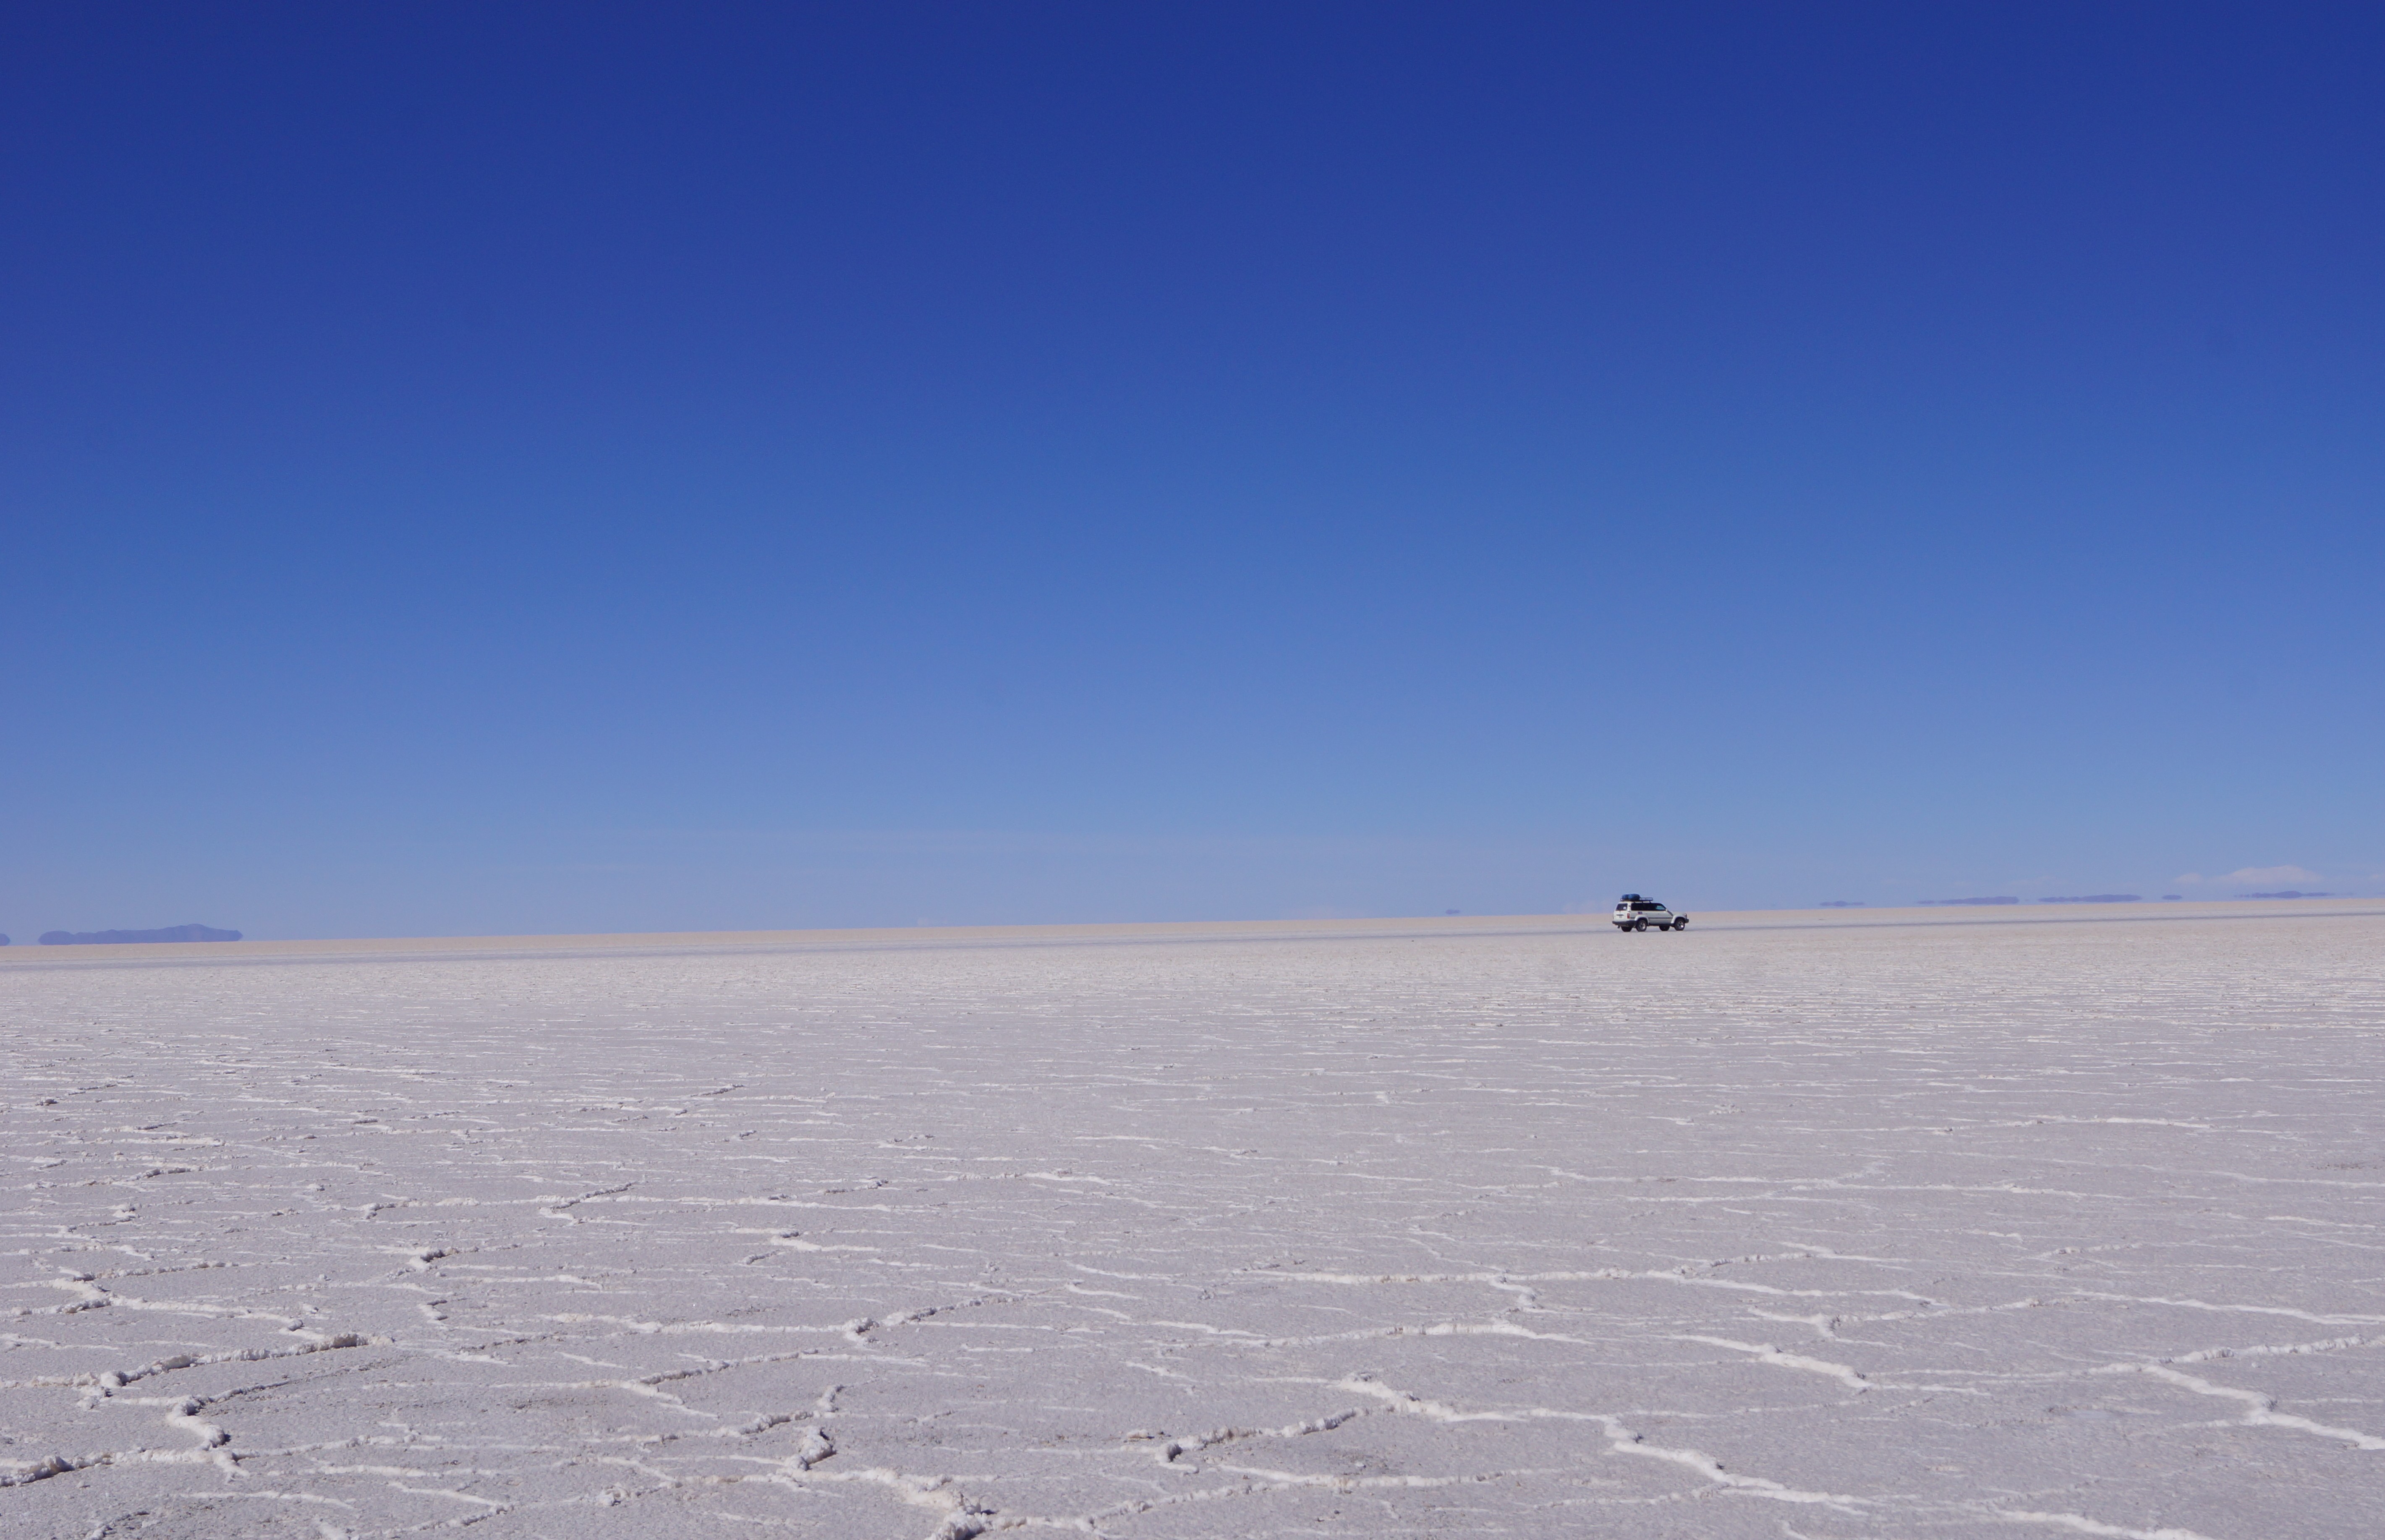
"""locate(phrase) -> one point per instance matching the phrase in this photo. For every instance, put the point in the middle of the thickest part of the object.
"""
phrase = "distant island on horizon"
(127, 938)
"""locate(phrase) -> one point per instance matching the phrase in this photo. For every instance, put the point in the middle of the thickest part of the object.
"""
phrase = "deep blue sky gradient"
(488, 468)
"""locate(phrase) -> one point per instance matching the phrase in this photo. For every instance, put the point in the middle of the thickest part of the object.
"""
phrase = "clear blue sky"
(488, 468)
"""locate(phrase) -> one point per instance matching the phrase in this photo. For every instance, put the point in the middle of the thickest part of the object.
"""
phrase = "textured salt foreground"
(1954, 1229)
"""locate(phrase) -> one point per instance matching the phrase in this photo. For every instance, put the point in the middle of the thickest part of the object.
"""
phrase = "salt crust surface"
(1937, 1231)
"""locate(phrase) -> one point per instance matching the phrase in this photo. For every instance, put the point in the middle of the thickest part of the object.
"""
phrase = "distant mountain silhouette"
(2100, 897)
(2288, 893)
(107, 937)
(1929, 901)
(1840, 903)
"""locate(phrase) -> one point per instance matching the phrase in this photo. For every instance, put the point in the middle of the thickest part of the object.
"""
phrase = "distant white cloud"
(2253, 877)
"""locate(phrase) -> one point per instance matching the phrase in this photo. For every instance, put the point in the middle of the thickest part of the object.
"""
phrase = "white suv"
(1634, 913)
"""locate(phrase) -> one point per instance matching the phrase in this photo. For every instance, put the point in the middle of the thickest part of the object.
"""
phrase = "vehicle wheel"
(1639, 924)
(1680, 925)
